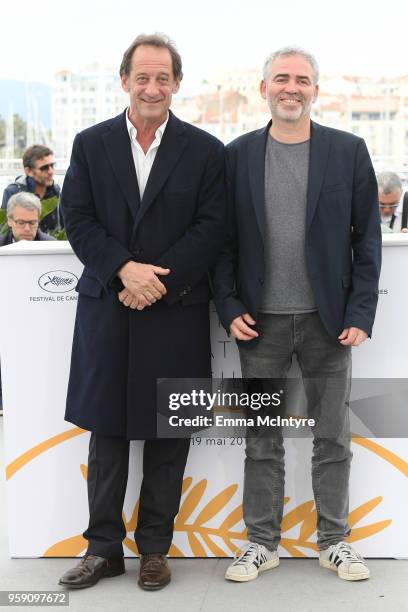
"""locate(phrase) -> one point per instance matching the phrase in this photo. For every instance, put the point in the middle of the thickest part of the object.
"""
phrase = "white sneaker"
(343, 559)
(252, 559)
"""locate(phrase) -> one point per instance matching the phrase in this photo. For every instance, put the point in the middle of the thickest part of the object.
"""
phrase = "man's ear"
(124, 79)
(316, 93)
(262, 89)
(176, 86)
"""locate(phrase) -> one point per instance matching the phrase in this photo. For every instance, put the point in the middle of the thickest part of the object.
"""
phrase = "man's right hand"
(141, 280)
(131, 301)
(240, 328)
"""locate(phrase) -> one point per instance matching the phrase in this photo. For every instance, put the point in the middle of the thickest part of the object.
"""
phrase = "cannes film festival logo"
(58, 281)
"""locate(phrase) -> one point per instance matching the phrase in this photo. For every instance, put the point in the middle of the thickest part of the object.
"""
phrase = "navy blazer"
(343, 236)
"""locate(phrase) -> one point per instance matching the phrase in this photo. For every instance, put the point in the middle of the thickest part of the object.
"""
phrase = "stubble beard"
(290, 115)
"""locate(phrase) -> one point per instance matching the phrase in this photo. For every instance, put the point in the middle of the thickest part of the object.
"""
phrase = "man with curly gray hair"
(393, 206)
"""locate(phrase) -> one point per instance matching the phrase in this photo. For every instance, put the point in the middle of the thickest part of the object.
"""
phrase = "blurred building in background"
(80, 100)
(227, 105)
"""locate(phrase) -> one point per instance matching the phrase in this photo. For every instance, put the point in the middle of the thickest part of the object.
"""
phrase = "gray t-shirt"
(287, 288)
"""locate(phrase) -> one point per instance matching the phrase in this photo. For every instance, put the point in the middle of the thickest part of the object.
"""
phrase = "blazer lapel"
(319, 155)
(256, 171)
(119, 151)
(171, 147)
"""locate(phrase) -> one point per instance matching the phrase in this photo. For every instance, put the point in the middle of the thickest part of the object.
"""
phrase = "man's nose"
(291, 87)
(152, 89)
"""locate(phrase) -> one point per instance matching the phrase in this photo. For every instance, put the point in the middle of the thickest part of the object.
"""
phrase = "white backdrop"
(46, 457)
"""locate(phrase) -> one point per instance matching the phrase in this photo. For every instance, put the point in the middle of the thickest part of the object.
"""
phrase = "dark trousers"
(164, 461)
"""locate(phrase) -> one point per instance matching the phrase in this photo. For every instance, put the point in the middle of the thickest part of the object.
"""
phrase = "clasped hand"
(142, 286)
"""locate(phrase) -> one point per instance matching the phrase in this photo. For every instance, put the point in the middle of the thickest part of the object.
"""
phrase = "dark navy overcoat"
(118, 353)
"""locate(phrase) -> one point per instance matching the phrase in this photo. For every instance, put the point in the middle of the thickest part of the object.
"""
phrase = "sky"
(347, 37)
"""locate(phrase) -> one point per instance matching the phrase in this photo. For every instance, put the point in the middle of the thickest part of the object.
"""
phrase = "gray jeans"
(326, 370)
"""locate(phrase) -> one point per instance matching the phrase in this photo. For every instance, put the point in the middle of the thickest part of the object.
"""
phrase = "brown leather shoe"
(90, 569)
(154, 572)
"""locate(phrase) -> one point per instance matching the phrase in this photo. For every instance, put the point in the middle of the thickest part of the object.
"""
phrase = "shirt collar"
(133, 131)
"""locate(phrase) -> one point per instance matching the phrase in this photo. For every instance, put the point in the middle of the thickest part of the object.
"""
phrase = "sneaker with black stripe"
(250, 561)
(343, 559)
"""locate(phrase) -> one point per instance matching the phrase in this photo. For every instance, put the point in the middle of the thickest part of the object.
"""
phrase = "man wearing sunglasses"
(38, 162)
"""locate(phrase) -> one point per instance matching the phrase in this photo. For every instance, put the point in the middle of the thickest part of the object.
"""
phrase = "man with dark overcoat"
(143, 202)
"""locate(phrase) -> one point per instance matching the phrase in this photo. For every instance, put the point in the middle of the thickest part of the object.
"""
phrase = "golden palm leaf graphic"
(32, 453)
(230, 531)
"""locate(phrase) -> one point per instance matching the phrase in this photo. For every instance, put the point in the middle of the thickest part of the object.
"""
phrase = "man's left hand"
(352, 336)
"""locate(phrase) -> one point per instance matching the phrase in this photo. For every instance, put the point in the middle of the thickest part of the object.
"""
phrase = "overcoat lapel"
(319, 155)
(171, 147)
(256, 172)
(119, 151)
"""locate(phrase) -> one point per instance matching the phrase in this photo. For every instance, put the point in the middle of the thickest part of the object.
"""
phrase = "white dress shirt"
(143, 163)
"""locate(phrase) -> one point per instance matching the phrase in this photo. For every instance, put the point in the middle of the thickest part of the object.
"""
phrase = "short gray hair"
(26, 200)
(292, 50)
(388, 182)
